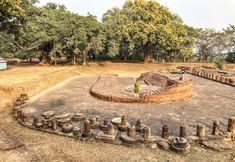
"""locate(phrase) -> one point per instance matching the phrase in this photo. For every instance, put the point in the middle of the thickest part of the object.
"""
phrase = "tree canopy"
(141, 29)
(212, 44)
(148, 29)
(53, 31)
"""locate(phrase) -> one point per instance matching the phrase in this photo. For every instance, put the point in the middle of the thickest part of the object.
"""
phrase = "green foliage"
(141, 29)
(12, 8)
(219, 62)
(230, 57)
(186, 52)
(57, 32)
(13, 13)
(144, 27)
(210, 44)
(5, 44)
(26, 55)
(137, 88)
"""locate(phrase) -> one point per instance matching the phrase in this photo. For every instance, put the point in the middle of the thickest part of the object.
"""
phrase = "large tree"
(230, 38)
(118, 33)
(91, 36)
(57, 32)
(13, 15)
(146, 27)
(211, 44)
(9, 11)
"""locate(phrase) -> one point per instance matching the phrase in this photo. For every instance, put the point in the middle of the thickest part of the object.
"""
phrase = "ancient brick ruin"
(155, 88)
(212, 74)
(119, 130)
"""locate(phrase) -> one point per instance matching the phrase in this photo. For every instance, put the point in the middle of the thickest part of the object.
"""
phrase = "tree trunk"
(84, 58)
(157, 58)
(46, 58)
(74, 59)
(55, 63)
(146, 58)
(124, 57)
(200, 57)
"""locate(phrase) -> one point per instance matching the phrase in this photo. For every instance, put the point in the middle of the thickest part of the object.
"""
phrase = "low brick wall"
(181, 92)
(214, 75)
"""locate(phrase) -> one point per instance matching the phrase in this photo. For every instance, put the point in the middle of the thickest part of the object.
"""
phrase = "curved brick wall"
(110, 89)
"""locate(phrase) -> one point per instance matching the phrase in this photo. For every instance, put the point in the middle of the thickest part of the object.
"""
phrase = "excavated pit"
(155, 88)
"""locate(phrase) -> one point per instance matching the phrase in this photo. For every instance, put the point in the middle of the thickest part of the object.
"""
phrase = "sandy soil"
(30, 79)
(39, 146)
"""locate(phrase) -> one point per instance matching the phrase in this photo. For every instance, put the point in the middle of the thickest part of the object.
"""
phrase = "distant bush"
(230, 57)
(219, 63)
(105, 56)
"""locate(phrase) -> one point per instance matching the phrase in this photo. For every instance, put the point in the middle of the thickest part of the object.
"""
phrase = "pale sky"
(216, 14)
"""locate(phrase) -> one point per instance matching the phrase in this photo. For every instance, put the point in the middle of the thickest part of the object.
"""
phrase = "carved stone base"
(148, 140)
(180, 145)
(87, 134)
(101, 136)
(126, 139)
(123, 128)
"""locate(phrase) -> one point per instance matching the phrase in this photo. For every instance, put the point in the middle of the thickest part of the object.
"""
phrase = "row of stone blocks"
(214, 76)
(157, 91)
(111, 130)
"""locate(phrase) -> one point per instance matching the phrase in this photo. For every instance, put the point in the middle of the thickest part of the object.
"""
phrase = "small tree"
(219, 62)
(137, 89)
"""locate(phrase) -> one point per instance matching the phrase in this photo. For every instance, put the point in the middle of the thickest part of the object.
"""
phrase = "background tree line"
(140, 30)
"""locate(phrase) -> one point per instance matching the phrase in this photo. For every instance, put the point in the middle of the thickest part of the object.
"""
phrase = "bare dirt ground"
(30, 145)
(30, 79)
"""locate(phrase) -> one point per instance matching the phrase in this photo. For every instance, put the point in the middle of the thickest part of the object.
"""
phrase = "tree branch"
(24, 49)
